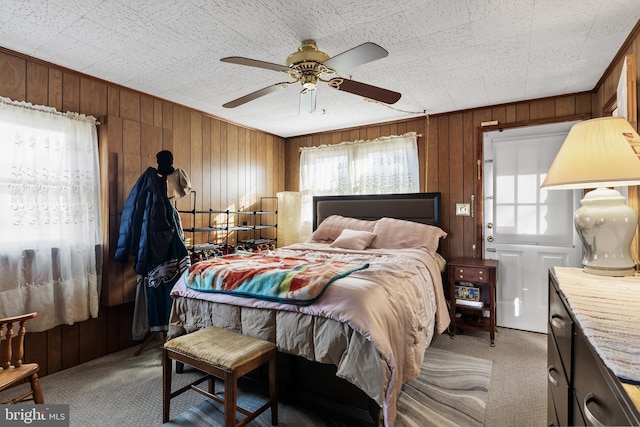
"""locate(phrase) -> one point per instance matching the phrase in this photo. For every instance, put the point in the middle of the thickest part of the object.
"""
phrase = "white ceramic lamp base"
(606, 226)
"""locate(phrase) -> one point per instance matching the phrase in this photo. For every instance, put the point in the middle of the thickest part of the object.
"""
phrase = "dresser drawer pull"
(557, 322)
(551, 379)
(587, 413)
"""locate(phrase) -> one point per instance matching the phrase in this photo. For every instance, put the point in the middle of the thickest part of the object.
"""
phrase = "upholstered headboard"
(418, 207)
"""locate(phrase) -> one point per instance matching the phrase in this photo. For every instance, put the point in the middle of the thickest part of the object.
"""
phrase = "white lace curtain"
(50, 255)
(382, 166)
(386, 165)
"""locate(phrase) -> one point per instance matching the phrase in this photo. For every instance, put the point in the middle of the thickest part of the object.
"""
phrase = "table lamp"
(601, 153)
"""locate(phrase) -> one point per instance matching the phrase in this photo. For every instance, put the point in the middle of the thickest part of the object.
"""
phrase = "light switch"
(463, 209)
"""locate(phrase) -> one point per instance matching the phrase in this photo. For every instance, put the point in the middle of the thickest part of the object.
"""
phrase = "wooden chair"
(12, 370)
(223, 354)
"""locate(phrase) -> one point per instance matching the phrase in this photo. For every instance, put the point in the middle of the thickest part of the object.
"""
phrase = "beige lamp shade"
(599, 152)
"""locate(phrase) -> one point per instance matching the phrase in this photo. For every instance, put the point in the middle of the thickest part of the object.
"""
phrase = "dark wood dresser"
(582, 390)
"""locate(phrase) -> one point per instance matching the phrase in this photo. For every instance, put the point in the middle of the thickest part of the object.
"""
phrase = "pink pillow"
(353, 239)
(397, 234)
(332, 226)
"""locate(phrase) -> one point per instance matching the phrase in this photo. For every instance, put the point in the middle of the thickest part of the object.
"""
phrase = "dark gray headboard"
(418, 207)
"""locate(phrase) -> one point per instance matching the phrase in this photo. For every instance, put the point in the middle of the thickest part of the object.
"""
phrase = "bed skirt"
(314, 338)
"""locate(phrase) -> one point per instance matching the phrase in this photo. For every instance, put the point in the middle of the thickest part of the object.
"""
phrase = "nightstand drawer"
(472, 274)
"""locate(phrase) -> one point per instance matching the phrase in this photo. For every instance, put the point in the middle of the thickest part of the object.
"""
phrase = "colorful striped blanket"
(286, 280)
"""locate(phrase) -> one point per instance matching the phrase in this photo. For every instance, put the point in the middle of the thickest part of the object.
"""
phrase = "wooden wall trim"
(516, 104)
(559, 119)
(357, 128)
(619, 56)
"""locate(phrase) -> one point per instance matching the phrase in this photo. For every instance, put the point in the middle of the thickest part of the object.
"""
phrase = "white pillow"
(332, 226)
(353, 239)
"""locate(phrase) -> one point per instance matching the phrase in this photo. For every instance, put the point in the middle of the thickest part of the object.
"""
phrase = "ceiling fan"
(308, 65)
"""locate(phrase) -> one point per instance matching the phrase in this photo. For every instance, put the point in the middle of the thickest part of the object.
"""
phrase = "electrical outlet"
(463, 209)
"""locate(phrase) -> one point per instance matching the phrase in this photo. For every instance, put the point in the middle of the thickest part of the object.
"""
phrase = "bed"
(371, 325)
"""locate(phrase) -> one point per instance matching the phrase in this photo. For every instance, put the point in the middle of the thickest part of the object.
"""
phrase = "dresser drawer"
(561, 327)
(471, 274)
(557, 386)
(598, 400)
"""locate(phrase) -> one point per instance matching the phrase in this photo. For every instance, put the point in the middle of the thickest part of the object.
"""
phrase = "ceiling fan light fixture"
(309, 81)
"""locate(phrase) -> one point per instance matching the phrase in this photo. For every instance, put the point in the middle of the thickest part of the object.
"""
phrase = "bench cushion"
(219, 347)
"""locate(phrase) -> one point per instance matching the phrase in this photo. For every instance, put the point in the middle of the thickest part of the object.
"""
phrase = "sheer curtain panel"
(386, 165)
(50, 215)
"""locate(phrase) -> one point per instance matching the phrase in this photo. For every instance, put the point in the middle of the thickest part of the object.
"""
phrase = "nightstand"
(482, 273)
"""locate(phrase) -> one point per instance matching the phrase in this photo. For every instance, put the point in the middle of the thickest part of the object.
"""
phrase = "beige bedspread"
(374, 325)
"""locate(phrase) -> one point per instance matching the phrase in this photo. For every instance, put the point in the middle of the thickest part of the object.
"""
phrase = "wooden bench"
(222, 354)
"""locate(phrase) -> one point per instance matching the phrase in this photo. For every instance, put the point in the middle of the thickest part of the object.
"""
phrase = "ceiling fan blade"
(363, 89)
(366, 52)
(307, 101)
(255, 63)
(255, 95)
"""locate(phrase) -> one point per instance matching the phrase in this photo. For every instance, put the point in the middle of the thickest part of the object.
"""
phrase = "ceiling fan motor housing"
(307, 52)
(306, 64)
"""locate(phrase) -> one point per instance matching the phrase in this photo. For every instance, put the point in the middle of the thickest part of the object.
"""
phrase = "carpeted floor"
(123, 390)
(451, 390)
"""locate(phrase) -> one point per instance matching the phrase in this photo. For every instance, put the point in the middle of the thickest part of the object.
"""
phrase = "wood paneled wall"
(231, 167)
(450, 154)
(604, 94)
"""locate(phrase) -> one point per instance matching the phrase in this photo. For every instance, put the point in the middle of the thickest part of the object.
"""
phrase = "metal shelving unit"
(238, 227)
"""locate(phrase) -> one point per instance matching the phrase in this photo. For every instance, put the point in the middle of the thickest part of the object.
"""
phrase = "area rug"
(451, 390)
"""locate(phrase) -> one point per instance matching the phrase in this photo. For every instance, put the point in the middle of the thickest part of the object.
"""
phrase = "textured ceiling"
(444, 55)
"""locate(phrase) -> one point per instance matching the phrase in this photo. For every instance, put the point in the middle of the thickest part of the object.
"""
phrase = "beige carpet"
(123, 390)
(451, 390)
(518, 394)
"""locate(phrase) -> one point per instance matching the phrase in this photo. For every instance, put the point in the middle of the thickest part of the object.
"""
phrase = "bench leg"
(166, 385)
(230, 396)
(273, 389)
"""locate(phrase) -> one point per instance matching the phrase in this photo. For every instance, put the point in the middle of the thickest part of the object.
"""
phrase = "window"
(382, 166)
(49, 215)
(386, 165)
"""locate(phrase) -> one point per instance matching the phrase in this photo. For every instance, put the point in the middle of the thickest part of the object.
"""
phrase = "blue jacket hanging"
(150, 232)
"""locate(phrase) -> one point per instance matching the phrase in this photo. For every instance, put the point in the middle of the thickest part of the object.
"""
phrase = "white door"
(527, 229)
